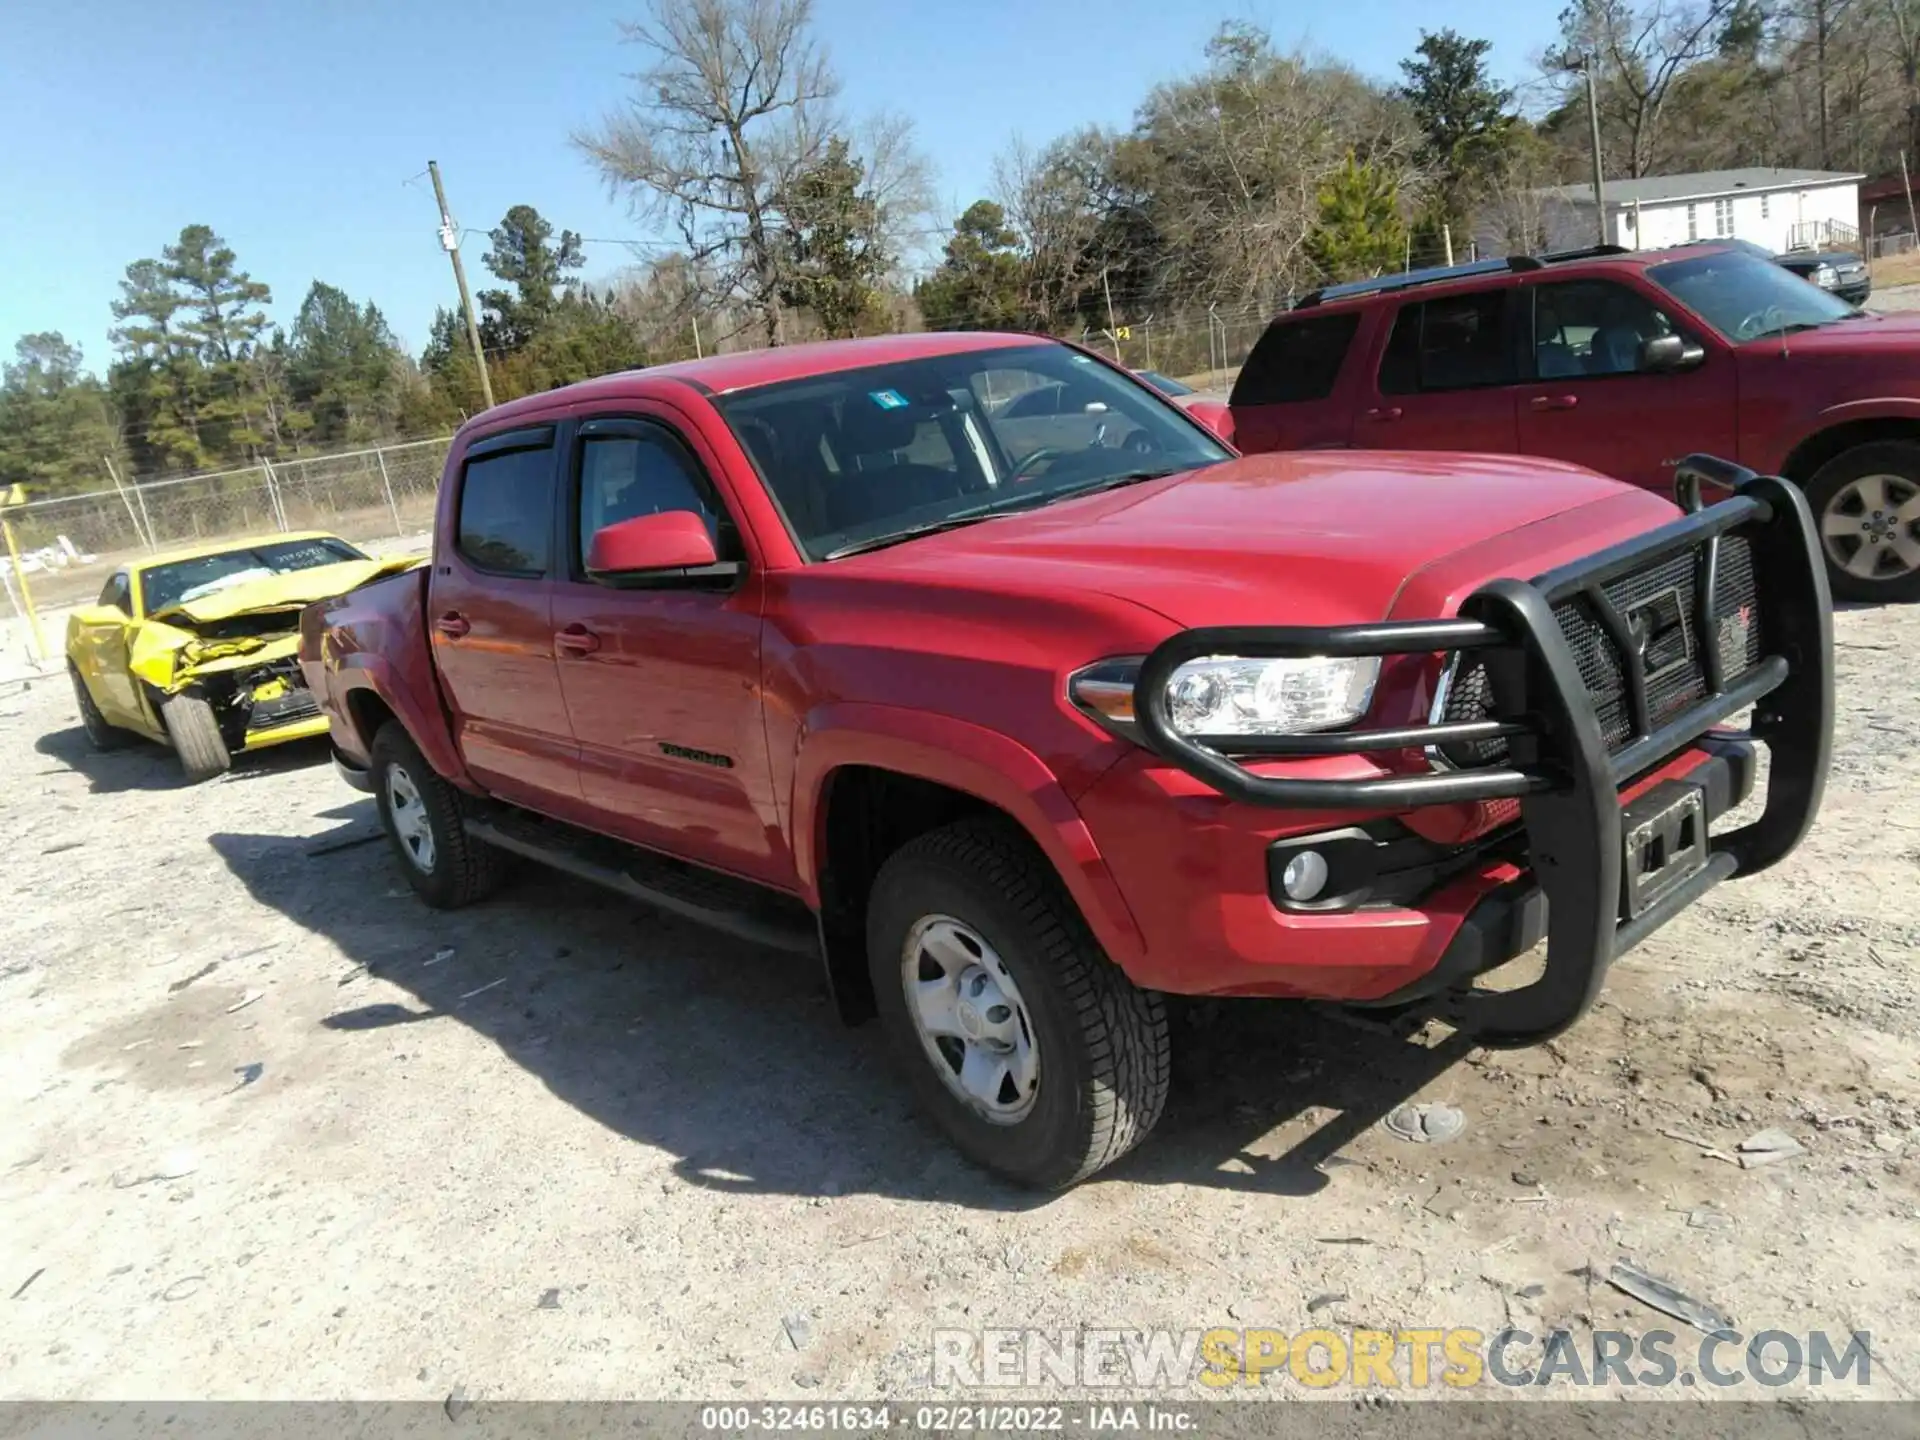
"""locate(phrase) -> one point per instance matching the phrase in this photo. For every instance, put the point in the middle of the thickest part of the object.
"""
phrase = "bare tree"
(734, 104)
(900, 184)
(1903, 18)
(1643, 52)
(1045, 195)
(1235, 161)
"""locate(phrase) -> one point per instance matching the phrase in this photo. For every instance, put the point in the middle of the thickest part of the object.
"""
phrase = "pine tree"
(1359, 232)
(980, 283)
(57, 422)
(834, 259)
(342, 366)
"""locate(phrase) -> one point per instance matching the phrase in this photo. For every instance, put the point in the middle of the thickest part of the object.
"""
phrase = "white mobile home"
(1780, 209)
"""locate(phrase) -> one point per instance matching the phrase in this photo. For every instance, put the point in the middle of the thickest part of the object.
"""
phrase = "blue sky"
(300, 129)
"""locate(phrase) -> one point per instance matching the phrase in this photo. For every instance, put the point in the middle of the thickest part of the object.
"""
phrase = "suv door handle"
(1554, 402)
(452, 625)
(1384, 412)
(576, 640)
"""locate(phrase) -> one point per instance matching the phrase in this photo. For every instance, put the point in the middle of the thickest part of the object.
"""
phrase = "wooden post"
(387, 485)
(1906, 183)
(273, 497)
(143, 533)
(15, 495)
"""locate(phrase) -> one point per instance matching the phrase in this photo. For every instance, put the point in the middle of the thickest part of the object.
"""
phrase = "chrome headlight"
(1825, 276)
(1229, 695)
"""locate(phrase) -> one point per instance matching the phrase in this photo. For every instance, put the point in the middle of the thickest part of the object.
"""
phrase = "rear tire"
(100, 734)
(1866, 504)
(424, 819)
(195, 732)
(1073, 1058)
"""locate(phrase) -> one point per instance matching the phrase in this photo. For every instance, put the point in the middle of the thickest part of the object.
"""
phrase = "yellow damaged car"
(196, 649)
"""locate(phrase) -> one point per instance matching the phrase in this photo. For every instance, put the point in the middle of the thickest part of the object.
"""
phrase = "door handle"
(1384, 412)
(452, 625)
(576, 640)
(1553, 402)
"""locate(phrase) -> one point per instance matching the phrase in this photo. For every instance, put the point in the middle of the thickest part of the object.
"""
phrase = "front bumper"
(1559, 767)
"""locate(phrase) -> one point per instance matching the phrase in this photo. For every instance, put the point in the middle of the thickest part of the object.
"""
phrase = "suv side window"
(1295, 360)
(1458, 342)
(118, 592)
(1591, 327)
(505, 521)
(636, 470)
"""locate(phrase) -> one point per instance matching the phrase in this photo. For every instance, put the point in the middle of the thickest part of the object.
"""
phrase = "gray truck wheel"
(422, 814)
(100, 734)
(195, 732)
(1028, 1046)
(1866, 503)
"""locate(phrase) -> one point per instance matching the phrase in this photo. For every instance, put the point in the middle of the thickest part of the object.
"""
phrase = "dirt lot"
(274, 1129)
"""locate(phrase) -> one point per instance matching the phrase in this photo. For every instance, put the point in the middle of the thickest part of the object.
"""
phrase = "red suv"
(1623, 362)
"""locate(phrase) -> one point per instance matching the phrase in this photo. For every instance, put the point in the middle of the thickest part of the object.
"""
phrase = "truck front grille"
(1659, 606)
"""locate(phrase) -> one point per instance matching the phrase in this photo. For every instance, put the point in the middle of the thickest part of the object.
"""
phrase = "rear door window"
(1296, 360)
(1458, 342)
(505, 523)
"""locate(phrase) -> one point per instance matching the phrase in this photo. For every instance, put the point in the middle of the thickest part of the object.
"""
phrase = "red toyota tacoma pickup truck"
(1624, 362)
(1022, 714)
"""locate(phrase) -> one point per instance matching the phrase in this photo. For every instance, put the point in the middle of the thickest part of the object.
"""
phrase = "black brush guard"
(1559, 767)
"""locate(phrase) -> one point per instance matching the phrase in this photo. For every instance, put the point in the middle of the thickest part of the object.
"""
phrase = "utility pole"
(1906, 184)
(1599, 179)
(1113, 330)
(450, 242)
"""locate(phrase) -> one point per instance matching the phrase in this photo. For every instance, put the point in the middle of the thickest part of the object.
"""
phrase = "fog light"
(1305, 876)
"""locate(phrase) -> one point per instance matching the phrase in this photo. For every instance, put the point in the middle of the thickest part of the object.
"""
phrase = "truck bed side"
(367, 658)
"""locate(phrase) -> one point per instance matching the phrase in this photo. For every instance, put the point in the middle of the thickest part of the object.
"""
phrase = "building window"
(1723, 218)
(1693, 221)
(1764, 208)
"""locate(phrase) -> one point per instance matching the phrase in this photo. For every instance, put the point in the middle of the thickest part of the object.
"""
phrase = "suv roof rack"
(1385, 284)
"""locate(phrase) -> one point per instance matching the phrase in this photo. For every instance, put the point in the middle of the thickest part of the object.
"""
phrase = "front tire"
(1866, 502)
(195, 732)
(1027, 1045)
(100, 734)
(423, 818)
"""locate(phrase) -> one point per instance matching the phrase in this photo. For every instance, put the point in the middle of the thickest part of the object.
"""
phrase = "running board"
(739, 908)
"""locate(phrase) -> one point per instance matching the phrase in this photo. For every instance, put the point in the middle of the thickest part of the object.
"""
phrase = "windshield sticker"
(888, 399)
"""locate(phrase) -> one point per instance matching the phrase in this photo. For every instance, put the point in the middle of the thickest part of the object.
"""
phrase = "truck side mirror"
(673, 544)
(1215, 416)
(1666, 353)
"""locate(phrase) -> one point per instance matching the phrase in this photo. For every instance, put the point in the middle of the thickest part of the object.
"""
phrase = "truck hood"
(291, 592)
(1869, 334)
(1303, 538)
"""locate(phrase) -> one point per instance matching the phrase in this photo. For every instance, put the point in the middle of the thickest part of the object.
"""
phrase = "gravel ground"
(1894, 298)
(274, 1129)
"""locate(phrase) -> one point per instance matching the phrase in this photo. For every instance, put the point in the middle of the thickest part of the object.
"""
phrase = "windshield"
(187, 580)
(863, 456)
(1745, 297)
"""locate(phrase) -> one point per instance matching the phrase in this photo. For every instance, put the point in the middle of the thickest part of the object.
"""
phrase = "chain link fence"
(70, 542)
(1203, 349)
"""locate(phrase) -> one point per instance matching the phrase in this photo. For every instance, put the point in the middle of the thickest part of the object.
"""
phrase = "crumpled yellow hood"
(288, 592)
